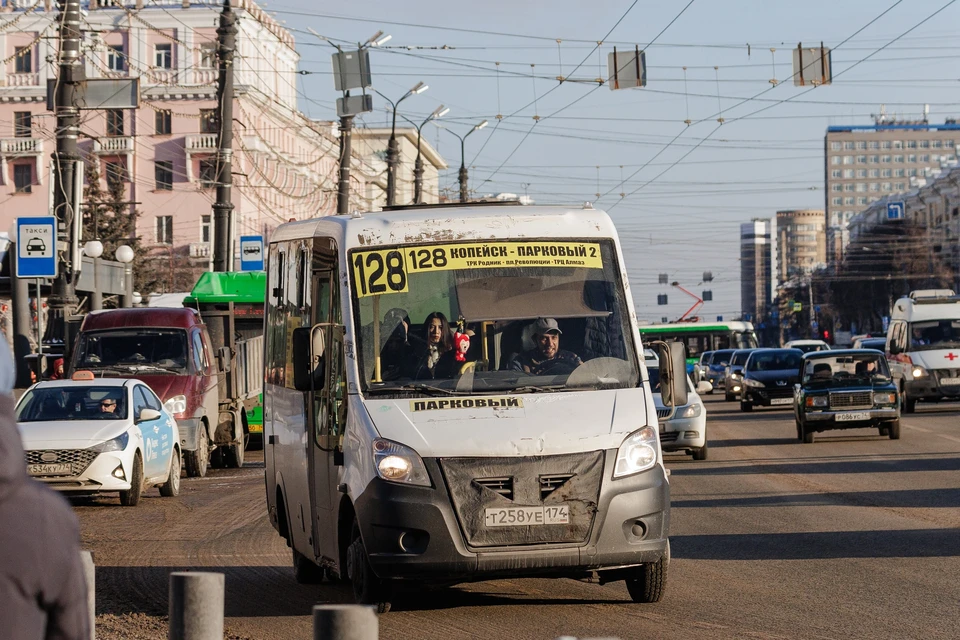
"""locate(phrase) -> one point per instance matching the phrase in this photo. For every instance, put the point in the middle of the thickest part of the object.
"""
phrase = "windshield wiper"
(536, 389)
(419, 387)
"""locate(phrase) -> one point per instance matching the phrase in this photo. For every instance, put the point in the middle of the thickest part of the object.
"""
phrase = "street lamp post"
(94, 249)
(439, 112)
(393, 154)
(463, 158)
(125, 255)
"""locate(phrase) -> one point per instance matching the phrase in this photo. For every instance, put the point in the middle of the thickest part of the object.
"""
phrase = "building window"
(900, 173)
(848, 173)
(848, 145)
(208, 121)
(848, 200)
(208, 173)
(836, 187)
(874, 186)
(861, 173)
(873, 159)
(874, 144)
(847, 159)
(862, 144)
(885, 159)
(861, 187)
(162, 122)
(22, 124)
(836, 201)
(862, 200)
(886, 173)
(23, 177)
(208, 55)
(924, 144)
(912, 172)
(163, 172)
(205, 228)
(925, 157)
(900, 186)
(911, 144)
(114, 122)
(834, 159)
(885, 186)
(848, 187)
(874, 173)
(116, 61)
(835, 146)
(887, 144)
(898, 159)
(24, 60)
(163, 56)
(164, 229)
(116, 172)
(861, 159)
(937, 144)
(836, 173)
(897, 144)
(912, 158)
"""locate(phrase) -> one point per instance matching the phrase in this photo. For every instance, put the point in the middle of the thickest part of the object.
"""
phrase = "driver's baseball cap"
(548, 325)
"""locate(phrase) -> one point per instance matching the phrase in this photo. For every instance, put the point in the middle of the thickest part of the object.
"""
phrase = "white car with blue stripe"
(90, 436)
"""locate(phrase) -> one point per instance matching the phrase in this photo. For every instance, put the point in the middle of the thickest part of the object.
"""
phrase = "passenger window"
(150, 399)
(199, 361)
(139, 402)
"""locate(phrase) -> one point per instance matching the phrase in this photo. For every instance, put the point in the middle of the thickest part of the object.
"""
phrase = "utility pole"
(223, 207)
(343, 185)
(63, 296)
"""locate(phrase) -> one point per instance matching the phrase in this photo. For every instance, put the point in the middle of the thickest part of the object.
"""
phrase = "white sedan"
(682, 428)
(99, 436)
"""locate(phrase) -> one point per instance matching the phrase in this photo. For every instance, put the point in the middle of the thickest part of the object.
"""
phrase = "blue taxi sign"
(37, 247)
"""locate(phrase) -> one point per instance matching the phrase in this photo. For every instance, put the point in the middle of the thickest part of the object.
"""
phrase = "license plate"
(53, 469)
(949, 380)
(256, 428)
(851, 416)
(526, 516)
(781, 401)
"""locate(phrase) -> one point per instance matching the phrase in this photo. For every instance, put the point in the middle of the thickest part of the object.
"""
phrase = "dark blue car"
(768, 378)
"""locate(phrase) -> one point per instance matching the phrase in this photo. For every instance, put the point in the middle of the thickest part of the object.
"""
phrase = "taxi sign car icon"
(35, 244)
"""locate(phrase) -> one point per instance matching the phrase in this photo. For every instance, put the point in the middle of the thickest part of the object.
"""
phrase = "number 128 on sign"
(379, 272)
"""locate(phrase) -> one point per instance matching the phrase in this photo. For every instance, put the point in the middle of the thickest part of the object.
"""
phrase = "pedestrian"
(43, 594)
(57, 369)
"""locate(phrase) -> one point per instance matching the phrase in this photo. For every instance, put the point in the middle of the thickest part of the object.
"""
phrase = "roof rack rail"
(471, 203)
(932, 293)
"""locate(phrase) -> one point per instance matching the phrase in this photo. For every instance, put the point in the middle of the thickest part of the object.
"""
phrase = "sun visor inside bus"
(523, 298)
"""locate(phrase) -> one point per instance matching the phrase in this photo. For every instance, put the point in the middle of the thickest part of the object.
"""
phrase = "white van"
(457, 393)
(923, 346)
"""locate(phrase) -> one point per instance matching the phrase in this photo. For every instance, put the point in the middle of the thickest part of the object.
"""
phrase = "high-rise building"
(863, 163)
(801, 242)
(756, 243)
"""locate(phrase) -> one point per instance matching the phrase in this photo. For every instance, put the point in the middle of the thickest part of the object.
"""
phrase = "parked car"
(683, 428)
(846, 389)
(734, 374)
(768, 378)
(871, 343)
(90, 436)
(718, 367)
(807, 345)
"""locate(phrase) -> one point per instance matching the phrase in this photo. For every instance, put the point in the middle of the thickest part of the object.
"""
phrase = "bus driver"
(547, 358)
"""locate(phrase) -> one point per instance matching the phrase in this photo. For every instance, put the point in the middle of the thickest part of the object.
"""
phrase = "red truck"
(170, 349)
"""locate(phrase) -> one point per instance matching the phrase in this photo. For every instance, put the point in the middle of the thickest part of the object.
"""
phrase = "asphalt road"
(854, 536)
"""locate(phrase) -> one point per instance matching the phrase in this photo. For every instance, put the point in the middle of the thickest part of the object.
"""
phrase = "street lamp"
(392, 150)
(439, 112)
(463, 159)
(94, 249)
(124, 254)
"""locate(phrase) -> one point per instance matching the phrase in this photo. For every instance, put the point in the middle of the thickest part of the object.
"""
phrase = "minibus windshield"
(511, 315)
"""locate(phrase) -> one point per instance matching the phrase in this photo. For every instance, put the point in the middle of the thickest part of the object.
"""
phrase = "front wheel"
(233, 455)
(199, 460)
(701, 453)
(746, 406)
(909, 404)
(367, 587)
(893, 429)
(305, 571)
(131, 497)
(650, 580)
(807, 434)
(729, 397)
(171, 487)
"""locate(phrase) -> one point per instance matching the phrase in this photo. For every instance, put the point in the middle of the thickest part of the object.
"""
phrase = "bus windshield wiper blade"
(422, 388)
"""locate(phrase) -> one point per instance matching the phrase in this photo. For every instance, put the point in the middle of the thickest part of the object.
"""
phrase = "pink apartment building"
(285, 165)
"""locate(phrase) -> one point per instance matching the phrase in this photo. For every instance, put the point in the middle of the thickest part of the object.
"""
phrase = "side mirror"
(223, 359)
(704, 387)
(673, 373)
(894, 348)
(308, 348)
(146, 415)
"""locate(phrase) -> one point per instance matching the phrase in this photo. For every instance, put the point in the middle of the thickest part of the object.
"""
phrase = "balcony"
(199, 250)
(113, 146)
(201, 143)
(22, 80)
(21, 147)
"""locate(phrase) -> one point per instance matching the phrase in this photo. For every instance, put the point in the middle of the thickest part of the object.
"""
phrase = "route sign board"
(895, 210)
(251, 253)
(37, 247)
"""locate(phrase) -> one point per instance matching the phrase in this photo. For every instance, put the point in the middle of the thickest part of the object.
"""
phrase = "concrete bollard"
(90, 578)
(345, 622)
(196, 605)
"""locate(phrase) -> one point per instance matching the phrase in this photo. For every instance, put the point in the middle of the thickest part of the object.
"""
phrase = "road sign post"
(251, 253)
(37, 247)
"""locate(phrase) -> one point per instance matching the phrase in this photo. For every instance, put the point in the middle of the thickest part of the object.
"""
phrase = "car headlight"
(398, 463)
(176, 405)
(117, 444)
(756, 384)
(734, 376)
(885, 397)
(690, 411)
(816, 401)
(637, 453)
(919, 372)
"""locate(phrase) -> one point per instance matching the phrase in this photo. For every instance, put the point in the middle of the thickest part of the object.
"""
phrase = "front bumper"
(929, 388)
(824, 420)
(97, 477)
(188, 433)
(681, 434)
(768, 397)
(414, 533)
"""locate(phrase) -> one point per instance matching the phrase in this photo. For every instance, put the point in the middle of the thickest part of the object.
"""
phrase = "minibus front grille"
(478, 484)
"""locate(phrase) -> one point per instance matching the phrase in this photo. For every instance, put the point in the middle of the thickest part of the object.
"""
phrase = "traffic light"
(826, 335)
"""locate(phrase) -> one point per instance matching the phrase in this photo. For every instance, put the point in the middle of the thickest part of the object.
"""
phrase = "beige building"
(801, 242)
(371, 145)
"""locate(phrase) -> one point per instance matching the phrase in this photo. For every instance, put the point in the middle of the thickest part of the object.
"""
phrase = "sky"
(677, 192)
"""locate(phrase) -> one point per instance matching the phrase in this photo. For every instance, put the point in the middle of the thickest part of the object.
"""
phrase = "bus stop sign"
(251, 253)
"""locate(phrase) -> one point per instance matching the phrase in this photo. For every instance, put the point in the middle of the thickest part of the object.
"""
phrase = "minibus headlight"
(397, 463)
(117, 444)
(919, 372)
(176, 405)
(885, 397)
(637, 453)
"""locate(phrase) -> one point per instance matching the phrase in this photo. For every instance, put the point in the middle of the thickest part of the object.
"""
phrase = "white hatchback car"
(682, 428)
(99, 436)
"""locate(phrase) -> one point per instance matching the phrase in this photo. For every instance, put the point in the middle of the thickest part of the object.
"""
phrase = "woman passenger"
(434, 357)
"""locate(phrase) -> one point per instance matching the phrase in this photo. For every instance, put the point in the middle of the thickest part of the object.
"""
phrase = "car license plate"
(781, 401)
(53, 469)
(950, 381)
(851, 416)
(526, 516)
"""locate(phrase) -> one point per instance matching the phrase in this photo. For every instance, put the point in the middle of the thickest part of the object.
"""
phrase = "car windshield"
(516, 315)
(808, 347)
(934, 334)
(874, 343)
(135, 349)
(72, 402)
(721, 358)
(739, 358)
(846, 370)
(774, 360)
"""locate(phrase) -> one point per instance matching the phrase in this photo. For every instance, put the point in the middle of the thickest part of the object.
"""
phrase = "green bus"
(233, 300)
(698, 337)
